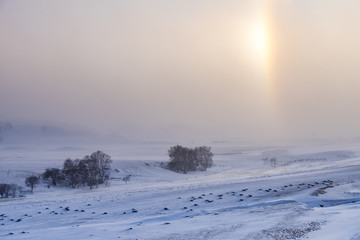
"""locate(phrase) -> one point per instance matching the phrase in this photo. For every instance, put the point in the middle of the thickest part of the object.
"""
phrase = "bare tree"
(178, 161)
(55, 175)
(92, 170)
(32, 181)
(83, 171)
(96, 168)
(204, 158)
(103, 162)
(71, 172)
(13, 189)
(4, 190)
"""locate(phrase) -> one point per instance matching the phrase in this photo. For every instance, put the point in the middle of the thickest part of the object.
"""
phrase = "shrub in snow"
(126, 179)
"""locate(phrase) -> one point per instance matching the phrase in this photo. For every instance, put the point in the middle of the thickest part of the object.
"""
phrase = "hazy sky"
(217, 70)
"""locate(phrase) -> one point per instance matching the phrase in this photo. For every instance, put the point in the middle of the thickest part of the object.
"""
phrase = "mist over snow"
(33, 134)
(183, 70)
(173, 119)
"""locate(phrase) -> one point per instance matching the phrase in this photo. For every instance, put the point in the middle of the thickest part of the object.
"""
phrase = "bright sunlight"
(260, 44)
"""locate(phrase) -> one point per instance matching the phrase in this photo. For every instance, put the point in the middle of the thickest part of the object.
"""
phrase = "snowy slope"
(313, 192)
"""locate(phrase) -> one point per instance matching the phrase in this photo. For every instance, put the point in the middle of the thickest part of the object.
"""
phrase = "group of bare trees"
(183, 159)
(14, 190)
(90, 171)
(10, 190)
(94, 169)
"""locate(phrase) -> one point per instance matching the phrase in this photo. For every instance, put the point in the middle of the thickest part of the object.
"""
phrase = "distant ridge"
(11, 133)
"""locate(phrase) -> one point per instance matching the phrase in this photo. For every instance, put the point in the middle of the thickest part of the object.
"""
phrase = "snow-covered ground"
(306, 192)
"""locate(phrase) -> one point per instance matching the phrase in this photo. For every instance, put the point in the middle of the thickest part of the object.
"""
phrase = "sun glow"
(259, 49)
(260, 43)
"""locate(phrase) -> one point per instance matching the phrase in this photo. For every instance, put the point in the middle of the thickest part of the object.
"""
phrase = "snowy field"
(305, 192)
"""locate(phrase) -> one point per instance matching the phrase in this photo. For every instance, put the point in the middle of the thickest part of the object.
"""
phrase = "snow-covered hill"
(310, 192)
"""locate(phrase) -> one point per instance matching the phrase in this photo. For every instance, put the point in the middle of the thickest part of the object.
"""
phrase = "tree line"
(90, 171)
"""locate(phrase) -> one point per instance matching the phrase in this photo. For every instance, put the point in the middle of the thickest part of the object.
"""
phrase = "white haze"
(157, 69)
